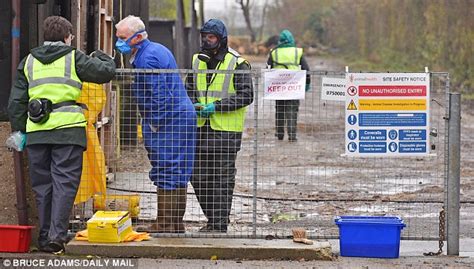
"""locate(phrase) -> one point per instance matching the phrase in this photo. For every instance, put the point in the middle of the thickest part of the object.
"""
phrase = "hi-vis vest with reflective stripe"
(287, 58)
(222, 86)
(57, 82)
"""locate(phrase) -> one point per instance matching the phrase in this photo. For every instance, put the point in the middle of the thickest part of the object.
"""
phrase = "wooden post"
(179, 34)
(144, 12)
(194, 34)
(105, 125)
(201, 11)
(78, 20)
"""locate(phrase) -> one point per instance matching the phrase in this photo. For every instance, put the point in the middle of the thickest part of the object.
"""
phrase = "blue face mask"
(122, 45)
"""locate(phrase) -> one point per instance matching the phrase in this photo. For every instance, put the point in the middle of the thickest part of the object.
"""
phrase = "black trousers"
(286, 114)
(55, 174)
(213, 181)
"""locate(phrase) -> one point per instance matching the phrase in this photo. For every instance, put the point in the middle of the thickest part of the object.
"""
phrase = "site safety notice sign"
(387, 114)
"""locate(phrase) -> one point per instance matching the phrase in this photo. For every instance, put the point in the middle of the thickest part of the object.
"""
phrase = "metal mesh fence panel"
(308, 182)
(298, 178)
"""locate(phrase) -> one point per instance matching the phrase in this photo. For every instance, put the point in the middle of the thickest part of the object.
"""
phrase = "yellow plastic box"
(109, 226)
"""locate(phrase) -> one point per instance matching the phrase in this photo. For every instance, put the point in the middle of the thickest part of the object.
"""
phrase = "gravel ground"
(308, 183)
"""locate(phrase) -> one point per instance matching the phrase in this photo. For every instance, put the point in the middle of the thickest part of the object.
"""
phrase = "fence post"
(255, 151)
(454, 169)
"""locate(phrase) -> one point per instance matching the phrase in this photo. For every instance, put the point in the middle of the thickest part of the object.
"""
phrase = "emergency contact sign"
(333, 89)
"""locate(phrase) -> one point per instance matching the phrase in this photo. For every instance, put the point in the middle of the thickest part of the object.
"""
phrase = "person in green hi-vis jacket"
(287, 56)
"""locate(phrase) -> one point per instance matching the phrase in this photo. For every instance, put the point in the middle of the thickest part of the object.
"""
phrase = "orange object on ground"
(133, 236)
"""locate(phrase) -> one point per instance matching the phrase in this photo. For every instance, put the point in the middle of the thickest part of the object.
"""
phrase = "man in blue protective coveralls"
(221, 101)
(169, 122)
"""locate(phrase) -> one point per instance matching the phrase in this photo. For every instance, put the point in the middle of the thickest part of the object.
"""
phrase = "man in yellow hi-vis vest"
(287, 56)
(220, 100)
(43, 105)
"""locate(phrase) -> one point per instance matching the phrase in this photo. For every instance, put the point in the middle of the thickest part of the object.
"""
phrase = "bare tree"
(262, 25)
(245, 6)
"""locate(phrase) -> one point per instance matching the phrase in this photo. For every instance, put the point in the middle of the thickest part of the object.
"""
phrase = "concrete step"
(206, 248)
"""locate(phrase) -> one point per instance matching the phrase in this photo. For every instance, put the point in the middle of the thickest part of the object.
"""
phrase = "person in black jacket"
(220, 100)
(43, 105)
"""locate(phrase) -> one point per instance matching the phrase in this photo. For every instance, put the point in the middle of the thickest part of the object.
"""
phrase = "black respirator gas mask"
(207, 49)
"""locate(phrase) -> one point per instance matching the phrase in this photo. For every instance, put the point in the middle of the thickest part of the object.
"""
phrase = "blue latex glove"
(23, 141)
(307, 88)
(198, 107)
(208, 110)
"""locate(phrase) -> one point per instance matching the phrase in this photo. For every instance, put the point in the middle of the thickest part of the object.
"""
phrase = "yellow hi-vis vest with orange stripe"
(287, 58)
(58, 82)
(221, 86)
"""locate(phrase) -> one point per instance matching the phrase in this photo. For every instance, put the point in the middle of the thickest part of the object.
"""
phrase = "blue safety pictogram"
(352, 119)
(392, 147)
(352, 147)
(392, 134)
(352, 134)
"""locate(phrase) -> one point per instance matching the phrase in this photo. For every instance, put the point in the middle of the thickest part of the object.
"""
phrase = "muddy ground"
(310, 182)
(7, 191)
(8, 200)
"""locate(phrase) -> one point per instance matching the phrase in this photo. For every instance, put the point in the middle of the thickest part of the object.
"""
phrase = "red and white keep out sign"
(283, 84)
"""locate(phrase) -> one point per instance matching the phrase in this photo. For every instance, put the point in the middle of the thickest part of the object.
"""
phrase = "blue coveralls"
(169, 118)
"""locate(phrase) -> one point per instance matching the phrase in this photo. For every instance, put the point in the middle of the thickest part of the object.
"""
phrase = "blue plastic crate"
(366, 236)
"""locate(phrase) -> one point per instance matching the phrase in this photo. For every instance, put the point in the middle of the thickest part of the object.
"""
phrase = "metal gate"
(282, 184)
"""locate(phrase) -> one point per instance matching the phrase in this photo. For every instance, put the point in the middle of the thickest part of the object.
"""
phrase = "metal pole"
(255, 151)
(454, 171)
(21, 204)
